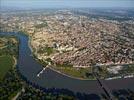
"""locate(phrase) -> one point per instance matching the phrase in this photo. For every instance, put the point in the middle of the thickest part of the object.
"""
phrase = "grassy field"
(81, 73)
(9, 81)
(6, 63)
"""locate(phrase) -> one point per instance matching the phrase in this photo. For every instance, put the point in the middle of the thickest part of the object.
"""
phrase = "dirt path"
(17, 95)
(15, 62)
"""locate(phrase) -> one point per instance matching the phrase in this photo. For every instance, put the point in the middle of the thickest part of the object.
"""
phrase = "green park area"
(6, 63)
(8, 50)
(78, 73)
(47, 50)
(9, 81)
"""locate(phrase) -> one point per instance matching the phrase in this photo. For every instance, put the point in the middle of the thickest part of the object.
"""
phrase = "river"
(29, 68)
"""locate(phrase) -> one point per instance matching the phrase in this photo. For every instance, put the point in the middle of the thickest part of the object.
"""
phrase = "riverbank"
(70, 76)
(15, 62)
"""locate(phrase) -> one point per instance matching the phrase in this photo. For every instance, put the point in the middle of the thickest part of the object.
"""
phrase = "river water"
(29, 68)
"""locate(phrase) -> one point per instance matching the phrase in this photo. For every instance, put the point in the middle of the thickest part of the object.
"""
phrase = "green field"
(81, 73)
(6, 63)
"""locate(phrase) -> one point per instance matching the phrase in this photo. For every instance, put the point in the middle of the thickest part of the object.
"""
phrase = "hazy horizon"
(28, 4)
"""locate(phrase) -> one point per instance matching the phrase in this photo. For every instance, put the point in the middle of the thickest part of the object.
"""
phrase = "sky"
(65, 3)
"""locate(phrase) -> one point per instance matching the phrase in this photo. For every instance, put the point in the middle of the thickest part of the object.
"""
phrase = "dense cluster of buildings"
(75, 39)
